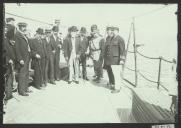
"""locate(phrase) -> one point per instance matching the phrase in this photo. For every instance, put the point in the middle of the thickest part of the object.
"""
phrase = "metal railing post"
(159, 72)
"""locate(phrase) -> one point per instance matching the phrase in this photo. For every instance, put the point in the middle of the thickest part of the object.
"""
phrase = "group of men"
(42, 53)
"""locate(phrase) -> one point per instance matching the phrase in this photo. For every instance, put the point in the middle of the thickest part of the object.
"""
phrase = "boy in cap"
(72, 54)
(22, 50)
(84, 45)
(96, 45)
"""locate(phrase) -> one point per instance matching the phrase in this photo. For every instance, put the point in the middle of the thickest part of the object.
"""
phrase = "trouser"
(98, 68)
(110, 74)
(83, 62)
(51, 66)
(9, 83)
(39, 77)
(118, 75)
(23, 77)
(56, 67)
(73, 69)
(47, 62)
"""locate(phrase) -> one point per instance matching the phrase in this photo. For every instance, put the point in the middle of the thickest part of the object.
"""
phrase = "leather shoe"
(77, 82)
(115, 91)
(86, 79)
(69, 82)
(39, 88)
(29, 91)
(24, 94)
(52, 82)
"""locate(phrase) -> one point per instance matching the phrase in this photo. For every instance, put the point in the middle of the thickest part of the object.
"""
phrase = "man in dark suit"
(55, 55)
(46, 40)
(72, 51)
(114, 55)
(22, 50)
(84, 45)
(9, 59)
(38, 48)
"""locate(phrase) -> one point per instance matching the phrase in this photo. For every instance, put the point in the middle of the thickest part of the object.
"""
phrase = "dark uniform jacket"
(9, 50)
(21, 47)
(38, 47)
(113, 50)
(84, 44)
(68, 46)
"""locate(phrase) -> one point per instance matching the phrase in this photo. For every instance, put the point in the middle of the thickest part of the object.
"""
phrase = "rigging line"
(28, 18)
(147, 78)
(130, 69)
(147, 56)
(166, 60)
(152, 11)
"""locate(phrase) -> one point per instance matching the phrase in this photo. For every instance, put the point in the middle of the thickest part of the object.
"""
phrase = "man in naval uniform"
(114, 56)
(72, 51)
(96, 45)
(22, 51)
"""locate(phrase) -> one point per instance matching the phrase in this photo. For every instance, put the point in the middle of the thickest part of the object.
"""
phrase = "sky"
(156, 30)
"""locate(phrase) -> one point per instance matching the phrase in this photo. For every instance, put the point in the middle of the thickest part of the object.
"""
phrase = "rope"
(147, 56)
(147, 78)
(29, 18)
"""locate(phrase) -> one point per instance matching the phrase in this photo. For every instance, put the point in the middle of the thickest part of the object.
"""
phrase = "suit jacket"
(84, 44)
(38, 47)
(48, 47)
(114, 48)
(21, 47)
(9, 51)
(68, 46)
(54, 43)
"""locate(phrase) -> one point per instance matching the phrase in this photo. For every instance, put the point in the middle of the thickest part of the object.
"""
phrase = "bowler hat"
(9, 19)
(55, 28)
(73, 29)
(22, 24)
(39, 31)
(83, 30)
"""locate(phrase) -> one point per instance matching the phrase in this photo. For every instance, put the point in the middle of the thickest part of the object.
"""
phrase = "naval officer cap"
(9, 19)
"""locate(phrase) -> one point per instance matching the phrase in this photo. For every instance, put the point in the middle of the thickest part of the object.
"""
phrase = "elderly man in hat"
(84, 46)
(114, 55)
(22, 51)
(72, 54)
(55, 55)
(96, 45)
(38, 48)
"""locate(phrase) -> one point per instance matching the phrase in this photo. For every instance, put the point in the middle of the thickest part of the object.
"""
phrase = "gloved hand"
(38, 56)
(22, 62)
